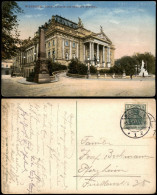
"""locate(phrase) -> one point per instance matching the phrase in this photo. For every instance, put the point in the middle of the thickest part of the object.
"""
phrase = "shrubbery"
(52, 67)
(105, 71)
(31, 77)
(77, 67)
(93, 70)
(55, 66)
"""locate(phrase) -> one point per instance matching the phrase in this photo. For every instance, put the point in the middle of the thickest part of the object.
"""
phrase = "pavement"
(78, 87)
(23, 81)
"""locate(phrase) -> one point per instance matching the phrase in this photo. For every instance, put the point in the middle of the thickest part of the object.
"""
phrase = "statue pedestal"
(143, 71)
(42, 78)
(42, 75)
(124, 75)
(41, 68)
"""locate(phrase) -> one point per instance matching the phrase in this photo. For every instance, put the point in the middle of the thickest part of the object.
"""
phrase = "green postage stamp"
(135, 116)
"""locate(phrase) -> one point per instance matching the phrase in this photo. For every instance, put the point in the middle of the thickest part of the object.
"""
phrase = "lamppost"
(35, 57)
(24, 65)
(24, 59)
(136, 67)
(98, 74)
(88, 67)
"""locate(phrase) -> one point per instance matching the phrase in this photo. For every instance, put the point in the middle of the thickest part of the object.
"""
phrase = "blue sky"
(129, 24)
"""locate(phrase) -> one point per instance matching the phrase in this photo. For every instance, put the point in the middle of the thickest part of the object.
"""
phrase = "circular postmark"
(135, 122)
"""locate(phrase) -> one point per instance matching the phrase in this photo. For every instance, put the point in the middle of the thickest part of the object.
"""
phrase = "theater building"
(66, 40)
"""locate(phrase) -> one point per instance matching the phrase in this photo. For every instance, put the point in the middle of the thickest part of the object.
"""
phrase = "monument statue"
(143, 71)
(41, 69)
(101, 29)
(80, 24)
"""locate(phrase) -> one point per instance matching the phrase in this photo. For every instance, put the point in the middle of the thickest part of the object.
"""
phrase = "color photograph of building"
(65, 40)
(88, 48)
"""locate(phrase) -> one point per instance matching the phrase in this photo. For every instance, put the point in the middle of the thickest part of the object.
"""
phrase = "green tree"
(149, 60)
(10, 34)
(126, 63)
(72, 67)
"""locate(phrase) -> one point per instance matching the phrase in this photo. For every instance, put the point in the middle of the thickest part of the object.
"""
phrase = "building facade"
(6, 67)
(66, 40)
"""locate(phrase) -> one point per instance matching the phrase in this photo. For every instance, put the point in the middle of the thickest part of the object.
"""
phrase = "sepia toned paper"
(78, 146)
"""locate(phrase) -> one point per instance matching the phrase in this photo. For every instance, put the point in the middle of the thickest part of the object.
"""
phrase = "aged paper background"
(74, 146)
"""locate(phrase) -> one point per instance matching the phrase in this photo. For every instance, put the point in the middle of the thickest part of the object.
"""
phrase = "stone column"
(92, 54)
(84, 52)
(97, 51)
(63, 49)
(70, 51)
(41, 69)
(109, 54)
(37, 46)
(90, 46)
(108, 57)
(103, 56)
(77, 50)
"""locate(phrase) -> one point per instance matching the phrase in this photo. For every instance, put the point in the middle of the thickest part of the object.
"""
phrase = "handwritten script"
(69, 146)
(37, 146)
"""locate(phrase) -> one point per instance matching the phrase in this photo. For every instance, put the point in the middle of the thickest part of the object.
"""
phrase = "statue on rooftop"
(101, 29)
(80, 24)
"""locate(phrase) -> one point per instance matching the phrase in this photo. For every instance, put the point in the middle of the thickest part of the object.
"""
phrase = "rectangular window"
(53, 55)
(53, 42)
(49, 44)
(49, 54)
(73, 44)
(66, 56)
(66, 43)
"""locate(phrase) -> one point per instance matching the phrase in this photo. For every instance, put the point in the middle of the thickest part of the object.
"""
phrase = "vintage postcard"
(78, 146)
(86, 48)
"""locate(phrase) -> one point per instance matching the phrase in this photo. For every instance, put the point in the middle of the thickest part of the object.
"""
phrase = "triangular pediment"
(102, 36)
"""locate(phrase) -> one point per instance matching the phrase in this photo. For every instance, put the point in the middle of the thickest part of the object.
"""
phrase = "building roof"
(65, 21)
(76, 30)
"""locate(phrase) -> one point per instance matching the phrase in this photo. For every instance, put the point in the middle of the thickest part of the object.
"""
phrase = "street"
(67, 86)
